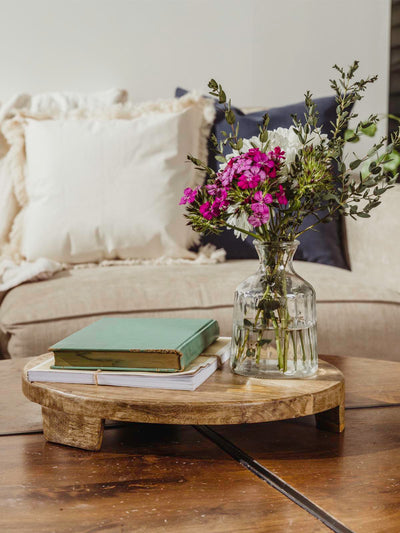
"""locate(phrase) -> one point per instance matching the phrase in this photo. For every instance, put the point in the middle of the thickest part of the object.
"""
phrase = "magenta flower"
(243, 164)
(281, 196)
(257, 155)
(211, 210)
(258, 219)
(189, 196)
(260, 209)
(249, 169)
(277, 153)
(205, 210)
(212, 188)
(270, 168)
(251, 178)
(228, 173)
(259, 198)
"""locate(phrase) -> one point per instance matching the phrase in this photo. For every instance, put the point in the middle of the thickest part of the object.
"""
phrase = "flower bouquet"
(264, 188)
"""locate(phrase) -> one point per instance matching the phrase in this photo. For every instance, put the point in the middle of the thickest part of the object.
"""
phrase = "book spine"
(115, 368)
(198, 343)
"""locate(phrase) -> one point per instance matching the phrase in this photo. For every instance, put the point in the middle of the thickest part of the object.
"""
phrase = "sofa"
(358, 310)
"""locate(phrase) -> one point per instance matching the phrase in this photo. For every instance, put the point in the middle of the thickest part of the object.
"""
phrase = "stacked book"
(165, 353)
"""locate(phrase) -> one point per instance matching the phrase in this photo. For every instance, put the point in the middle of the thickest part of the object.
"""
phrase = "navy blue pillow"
(322, 245)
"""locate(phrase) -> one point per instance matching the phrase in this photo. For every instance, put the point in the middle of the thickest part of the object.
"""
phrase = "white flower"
(239, 220)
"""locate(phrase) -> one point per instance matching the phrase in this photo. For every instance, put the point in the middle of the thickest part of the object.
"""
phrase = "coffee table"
(170, 478)
(74, 414)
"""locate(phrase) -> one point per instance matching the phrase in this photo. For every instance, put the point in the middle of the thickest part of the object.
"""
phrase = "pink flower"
(260, 209)
(249, 169)
(210, 211)
(257, 155)
(251, 178)
(226, 176)
(205, 210)
(281, 197)
(277, 153)
(189, 196)
(258, 219)
(212, 188)
(266, 199)
(270, 168)
(243, 164)
(215, 189)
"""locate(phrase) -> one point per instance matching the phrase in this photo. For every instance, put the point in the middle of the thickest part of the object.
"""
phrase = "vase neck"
(275, 256)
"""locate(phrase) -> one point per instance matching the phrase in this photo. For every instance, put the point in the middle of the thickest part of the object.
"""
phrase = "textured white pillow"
(50, 105)
(102, 189)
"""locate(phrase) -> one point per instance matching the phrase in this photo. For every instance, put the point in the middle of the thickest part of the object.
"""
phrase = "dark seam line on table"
(273, 480)
(373, 406)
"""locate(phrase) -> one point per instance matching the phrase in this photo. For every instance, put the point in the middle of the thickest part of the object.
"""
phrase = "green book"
(147, 344)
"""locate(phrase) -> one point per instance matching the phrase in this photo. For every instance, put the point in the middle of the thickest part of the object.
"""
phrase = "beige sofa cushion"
(373, 243)
(354, 317)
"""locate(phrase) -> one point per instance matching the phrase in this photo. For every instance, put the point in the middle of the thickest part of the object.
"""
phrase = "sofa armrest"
(372, 244)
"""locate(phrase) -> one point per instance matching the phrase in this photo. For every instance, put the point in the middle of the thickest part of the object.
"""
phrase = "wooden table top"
(174, 479)
(225, 398)
(368, 382)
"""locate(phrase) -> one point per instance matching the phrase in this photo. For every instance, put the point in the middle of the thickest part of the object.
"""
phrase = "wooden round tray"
(75, 414)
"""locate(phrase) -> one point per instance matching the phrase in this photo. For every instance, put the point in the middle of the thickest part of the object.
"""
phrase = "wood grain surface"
(17, 414)
(368, 382)
(146, 474)
(355, 476)
(225, 398)
(72, 430)
(146, 479)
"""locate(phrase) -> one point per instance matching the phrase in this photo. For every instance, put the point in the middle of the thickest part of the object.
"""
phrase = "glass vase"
(274, 318)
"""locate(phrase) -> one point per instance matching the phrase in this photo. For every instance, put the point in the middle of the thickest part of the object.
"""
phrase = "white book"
(196, 373)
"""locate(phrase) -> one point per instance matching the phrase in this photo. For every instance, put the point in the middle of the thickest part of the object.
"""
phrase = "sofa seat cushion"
(354, 317)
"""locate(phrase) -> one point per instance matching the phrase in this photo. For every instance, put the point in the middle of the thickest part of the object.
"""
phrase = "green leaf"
(268, 305)
(361, 214)
(247, 323)
(369, 130)
(354, 164)
(376, 170)
(264, 136)
(213, 85)
(220, 158)
(351, 137)
(262, 342)
(230, 117)
(394, 162)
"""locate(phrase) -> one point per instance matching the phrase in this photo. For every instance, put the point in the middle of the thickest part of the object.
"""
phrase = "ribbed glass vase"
(274, 319)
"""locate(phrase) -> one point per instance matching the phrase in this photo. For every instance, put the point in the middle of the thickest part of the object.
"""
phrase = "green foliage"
(320, 176)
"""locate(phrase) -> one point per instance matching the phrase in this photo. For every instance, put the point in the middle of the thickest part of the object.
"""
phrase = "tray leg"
(331, 420)
(72, 430)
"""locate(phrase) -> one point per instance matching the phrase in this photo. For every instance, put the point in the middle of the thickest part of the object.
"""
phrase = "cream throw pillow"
(51, 105)
(102, 189)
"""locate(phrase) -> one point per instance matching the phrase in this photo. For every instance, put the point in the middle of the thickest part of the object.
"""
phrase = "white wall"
(265, 52)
